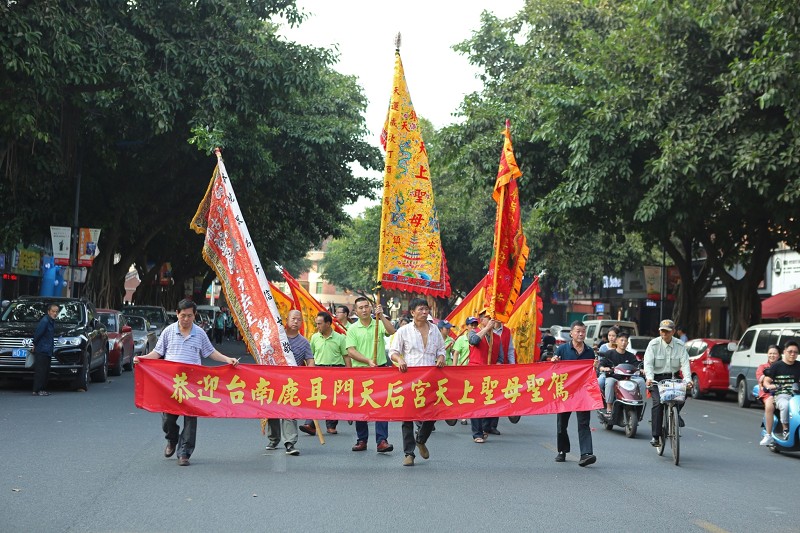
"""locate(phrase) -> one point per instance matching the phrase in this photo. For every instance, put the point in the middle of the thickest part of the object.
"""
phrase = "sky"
(364, 31)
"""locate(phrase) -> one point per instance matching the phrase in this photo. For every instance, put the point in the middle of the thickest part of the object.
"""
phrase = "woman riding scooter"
(610, 359)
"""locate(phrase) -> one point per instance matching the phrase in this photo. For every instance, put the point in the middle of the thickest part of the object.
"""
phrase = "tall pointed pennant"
(410, 257)
(510, 254)
(229, 250)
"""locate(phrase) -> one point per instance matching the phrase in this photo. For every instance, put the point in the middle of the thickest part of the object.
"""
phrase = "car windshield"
(136, 322)
(34, 310)
(152, 315)
(109, 321)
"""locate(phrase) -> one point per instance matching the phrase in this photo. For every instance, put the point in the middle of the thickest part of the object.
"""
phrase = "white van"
(751, 352)
(597, 329)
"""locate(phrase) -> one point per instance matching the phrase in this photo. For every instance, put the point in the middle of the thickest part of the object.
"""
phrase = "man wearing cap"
(664, 357)
(444, 329)
(461, 344)
(479, 355)
(502, 354)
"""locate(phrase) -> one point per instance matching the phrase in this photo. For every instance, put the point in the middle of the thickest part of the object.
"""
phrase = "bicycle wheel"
(675, 435)
(662, 441)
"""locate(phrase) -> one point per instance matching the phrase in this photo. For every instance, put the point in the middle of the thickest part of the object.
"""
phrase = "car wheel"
(101, 374)
(82, 381)
(696, 394)
(116, 370)
(129, 365)
(741, 393)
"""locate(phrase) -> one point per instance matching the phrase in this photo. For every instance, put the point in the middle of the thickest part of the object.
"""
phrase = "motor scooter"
(629, 406)
(791, 441)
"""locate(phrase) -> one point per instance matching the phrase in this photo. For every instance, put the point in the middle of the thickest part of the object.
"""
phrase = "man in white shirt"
(417, 344)
(664, 357)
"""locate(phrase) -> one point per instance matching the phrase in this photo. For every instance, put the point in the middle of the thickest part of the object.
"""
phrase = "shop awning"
(783, 305)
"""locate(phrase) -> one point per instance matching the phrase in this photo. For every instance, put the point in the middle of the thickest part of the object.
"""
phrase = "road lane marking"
(708, 526)
(703, 432)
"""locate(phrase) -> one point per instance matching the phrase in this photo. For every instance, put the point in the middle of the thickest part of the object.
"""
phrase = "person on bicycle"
(664, 357)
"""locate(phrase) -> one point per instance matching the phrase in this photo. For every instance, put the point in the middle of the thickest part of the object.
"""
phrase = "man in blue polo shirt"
(183, 342)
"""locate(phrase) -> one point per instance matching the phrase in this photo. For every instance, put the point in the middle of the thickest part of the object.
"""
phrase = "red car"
(709, 360)
(120, 340)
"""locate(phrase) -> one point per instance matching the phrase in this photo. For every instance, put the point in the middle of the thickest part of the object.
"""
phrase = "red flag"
(308, 306)
(510, 248)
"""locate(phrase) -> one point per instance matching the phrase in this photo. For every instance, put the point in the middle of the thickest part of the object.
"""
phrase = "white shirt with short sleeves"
(173, 346)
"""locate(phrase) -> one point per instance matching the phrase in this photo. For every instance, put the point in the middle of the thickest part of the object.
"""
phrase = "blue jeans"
(381, 431)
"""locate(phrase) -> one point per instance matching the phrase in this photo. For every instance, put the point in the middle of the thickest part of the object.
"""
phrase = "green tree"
(109, 94)
(684, 109)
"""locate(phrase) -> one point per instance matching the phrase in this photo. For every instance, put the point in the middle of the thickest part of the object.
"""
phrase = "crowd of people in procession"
(414, 340)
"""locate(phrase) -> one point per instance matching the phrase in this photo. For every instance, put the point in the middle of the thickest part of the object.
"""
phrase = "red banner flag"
(421, 393)
(229, 250)
(308, 306)
(524, 322)
(510, 248)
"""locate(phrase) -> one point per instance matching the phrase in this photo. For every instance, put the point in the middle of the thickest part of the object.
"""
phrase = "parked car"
(751, 351)
(172, 316)
(81, 343)
(155, 314)
(638, 345)
(709, 360)
(202, 319)
(596, 330)
(144, 338)
(120, 341)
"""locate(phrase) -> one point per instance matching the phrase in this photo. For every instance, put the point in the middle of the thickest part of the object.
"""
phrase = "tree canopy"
(677, 121)
(109, 94)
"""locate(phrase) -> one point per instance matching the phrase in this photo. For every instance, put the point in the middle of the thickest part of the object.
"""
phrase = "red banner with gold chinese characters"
(422, 393)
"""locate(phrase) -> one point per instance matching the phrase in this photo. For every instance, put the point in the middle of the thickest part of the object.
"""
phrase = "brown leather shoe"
(332, 431)
(384, 447)
(423, 450)
(308, 429)
(183, 461)
(169, 451)
(360, 446)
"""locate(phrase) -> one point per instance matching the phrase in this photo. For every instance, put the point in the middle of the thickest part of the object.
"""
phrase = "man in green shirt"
(328, 348)
(364, 353)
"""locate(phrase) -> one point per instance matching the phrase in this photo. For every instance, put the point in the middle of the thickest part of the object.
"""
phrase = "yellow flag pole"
(377, 327)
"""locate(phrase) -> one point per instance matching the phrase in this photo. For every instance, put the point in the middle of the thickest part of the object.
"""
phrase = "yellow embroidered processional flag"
(471, 305)
(229, 250)
(410, 256)
(524, 322)
(308, 306)
(510, 248)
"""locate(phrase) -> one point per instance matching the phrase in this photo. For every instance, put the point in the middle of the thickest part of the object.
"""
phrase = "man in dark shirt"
(43, 342)
(576, 349)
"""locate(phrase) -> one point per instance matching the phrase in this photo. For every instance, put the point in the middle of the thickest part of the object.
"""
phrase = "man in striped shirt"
(183, 342)
(417, 344)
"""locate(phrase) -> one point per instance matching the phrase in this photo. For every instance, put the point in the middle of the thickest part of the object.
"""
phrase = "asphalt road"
(91, 461)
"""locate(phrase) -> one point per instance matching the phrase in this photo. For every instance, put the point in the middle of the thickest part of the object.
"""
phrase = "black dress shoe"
(654, 442)
(587, 459)
(169, 451)
(561, 457)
